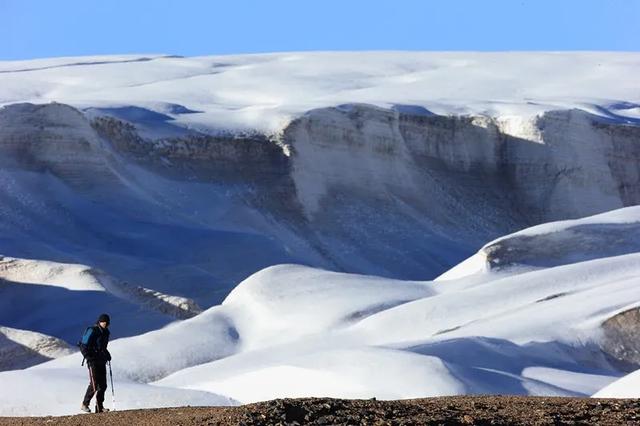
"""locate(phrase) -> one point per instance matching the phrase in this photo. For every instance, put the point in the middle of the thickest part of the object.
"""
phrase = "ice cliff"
(186, 175)
(354, 187)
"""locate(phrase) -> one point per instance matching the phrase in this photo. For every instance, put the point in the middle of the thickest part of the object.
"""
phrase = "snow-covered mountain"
(186, 175)
(150, 187)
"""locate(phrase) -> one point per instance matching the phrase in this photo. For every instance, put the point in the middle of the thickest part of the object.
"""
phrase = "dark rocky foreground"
(462, 410)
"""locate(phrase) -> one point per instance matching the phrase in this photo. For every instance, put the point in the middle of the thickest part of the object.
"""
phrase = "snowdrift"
(626, 387)
(298, 331)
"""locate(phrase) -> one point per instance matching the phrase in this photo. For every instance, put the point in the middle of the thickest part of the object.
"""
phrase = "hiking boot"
(101, 409)
(85, 408)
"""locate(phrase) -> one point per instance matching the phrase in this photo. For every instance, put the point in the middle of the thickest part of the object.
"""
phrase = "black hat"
(104, 318)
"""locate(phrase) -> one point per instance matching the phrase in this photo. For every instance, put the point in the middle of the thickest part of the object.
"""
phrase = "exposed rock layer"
(356, 187)
(622, 337)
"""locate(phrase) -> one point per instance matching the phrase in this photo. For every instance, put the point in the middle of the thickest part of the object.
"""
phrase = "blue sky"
(46, 28)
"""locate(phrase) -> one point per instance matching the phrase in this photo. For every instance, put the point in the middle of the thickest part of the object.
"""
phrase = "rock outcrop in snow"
(52, 138)
(226, 157)
(555, 244)
(557, 165)
(622, 337)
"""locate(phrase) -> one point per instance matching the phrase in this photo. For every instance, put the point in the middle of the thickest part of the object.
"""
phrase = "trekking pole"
(113, 394)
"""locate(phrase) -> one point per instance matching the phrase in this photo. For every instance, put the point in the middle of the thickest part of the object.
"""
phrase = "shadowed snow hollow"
(21, 348)
(62, 299)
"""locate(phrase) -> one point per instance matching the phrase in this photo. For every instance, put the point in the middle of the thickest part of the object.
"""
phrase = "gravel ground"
(460, 410)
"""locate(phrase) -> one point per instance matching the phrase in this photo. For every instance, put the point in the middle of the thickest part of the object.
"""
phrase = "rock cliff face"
(228, 157)
(396, 192)
(562, 164)
(52, 138)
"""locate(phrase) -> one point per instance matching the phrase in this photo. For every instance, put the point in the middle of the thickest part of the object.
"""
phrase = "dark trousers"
(97, 383)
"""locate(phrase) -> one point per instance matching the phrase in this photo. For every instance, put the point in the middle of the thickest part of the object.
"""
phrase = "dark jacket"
(93, 345)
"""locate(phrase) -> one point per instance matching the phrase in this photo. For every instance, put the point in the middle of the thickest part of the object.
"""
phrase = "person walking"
(93, 347)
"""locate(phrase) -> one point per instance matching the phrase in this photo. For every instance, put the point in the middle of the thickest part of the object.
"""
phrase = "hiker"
(93, 346)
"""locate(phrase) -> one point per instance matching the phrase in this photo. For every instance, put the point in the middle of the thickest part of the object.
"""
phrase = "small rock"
(467, 420)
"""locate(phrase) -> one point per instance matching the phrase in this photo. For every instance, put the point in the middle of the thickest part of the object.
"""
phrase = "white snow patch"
(264, 91)
(626, 387)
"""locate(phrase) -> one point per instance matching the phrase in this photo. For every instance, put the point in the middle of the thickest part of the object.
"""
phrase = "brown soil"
(462, 410)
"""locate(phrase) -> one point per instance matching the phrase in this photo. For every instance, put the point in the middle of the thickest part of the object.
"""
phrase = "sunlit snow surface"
(264, 91)
(298, 331)
(522, 316)
(626, 387)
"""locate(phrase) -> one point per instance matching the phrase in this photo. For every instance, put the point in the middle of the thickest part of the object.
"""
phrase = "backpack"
(83, 343)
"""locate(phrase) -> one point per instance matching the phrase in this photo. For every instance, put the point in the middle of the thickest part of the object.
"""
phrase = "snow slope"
(626, 387)
(23, 348)
(45, 304)
(264, 91)
(66, 396)
(172, 236)
(398, 164)
(553, 244)
(298, 331)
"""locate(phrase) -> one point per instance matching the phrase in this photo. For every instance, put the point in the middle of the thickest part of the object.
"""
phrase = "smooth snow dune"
(341, 372)
(67, 276)
(626, 387)
(294, 330)
(284, 302)
(153, 355)
(567, 302)
(83, 278)
(534, 332)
